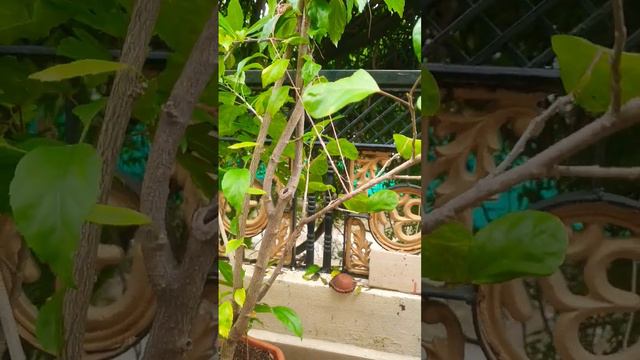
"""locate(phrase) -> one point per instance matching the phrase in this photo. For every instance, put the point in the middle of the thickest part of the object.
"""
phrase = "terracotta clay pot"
(263, 345)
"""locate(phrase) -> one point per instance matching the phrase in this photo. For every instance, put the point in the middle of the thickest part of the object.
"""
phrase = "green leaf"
(416, 38)
(361, 4)
(77, 68)
(311, 270)
(337, 20)
(225, 318)
(396, 5)
(49, 324)
(319, 166)
(118, 216)
(445, 253)
(239, 296)
(242, 145)
(226, 270)
(262, 308)
(344, 147)
(316, 186)
(233, 245)
(289, 319)
(87, 112)
(403, 145)
(50, 208)
(235, 16)
(273, 72)
(235, 184)
(310, 70)
(255, 191)
(319, 12)
(591, 90)
(430, 103)
(277, 100)
(383, 200)
(358, 203)
(526, 243)
(325, 99)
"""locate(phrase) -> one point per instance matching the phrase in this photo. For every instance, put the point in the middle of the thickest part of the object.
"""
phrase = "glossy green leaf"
(416, 38)
(235, 16)
(49, 324)
(362, 4)
(316, 186)
(273, 72)
(277, 100)
(226, 270)
(239, 296)
(337, 20)
(289, 319)
(403, 145)
(310, 70)
(342, 147)
(526, 243)
(396, 6)
(49, 209)
(319, 166)
(233, 245)
(358, 203)
(319, 12)
(225, 318)
(445, 253)
(430, 97)
(592, 89)
(325, 99)
(117, 216)
(242, 145)
(77, 68)
(383, 200)
(262, 308)
(234, 186)
(255, 191)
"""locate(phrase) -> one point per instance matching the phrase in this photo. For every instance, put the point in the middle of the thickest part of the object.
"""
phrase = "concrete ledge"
(313, 349)
(379, 320)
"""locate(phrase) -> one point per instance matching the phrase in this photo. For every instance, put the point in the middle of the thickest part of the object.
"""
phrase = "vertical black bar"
(328, 230)
(311, 230)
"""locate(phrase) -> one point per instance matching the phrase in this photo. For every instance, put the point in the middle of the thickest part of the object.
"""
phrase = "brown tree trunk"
(125, 89)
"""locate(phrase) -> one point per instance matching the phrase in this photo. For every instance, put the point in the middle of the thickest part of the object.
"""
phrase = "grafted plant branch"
(126, 88)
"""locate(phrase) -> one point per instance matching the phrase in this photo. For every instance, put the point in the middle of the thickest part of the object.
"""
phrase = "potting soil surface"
(244, 352)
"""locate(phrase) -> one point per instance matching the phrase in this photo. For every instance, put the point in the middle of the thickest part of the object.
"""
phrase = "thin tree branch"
(618, 46)
(595, 171)
(537, 166)
(125, 90)
(533, 129)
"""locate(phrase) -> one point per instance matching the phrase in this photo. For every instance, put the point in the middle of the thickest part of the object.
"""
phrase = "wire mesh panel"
(516, 32)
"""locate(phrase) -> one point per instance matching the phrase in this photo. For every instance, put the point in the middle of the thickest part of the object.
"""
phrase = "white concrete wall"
(379, 320)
